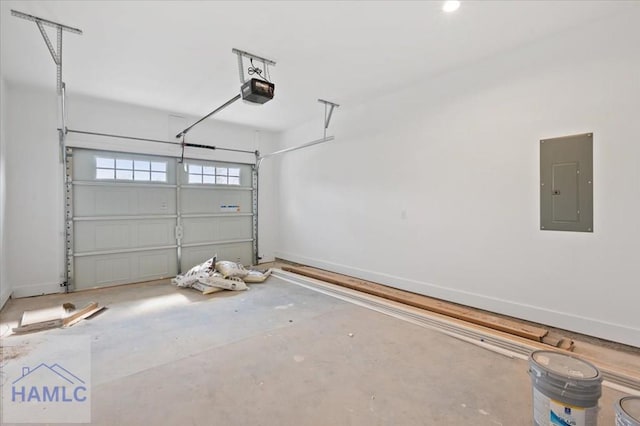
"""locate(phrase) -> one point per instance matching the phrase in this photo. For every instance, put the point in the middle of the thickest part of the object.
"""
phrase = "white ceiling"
(176, 56)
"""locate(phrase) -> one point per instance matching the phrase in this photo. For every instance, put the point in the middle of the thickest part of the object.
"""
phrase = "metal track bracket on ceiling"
(327, 115)
(56, 54)
(328, 111)
(242, 54)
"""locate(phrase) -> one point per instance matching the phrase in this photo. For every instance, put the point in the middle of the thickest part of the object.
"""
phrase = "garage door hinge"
(64, 284)
(178, 232)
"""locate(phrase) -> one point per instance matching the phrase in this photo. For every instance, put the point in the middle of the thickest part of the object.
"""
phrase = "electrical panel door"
(566, 183)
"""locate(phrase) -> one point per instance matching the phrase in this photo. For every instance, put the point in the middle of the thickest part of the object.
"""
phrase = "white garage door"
(140, 217)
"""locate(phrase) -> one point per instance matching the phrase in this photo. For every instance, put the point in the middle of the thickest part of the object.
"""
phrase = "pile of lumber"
(454, 310)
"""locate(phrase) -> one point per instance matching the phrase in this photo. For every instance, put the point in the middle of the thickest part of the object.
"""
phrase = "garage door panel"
(103, 200)
(106, 236)
(153, 264)
(156, 233)
(111, 269)
(198, 230)
(236, 252)
(97, 235)
(89, 200)
(214, 200)
(121, 268)
(156, 201)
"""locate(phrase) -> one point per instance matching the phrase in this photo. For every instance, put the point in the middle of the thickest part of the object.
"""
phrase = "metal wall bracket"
(254, 207)
(242, 54)
(55, 54)
(327, 114)
(68, 219)
(181, 160)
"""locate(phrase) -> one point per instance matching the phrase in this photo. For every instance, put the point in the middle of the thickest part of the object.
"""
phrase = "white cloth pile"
(211, 276)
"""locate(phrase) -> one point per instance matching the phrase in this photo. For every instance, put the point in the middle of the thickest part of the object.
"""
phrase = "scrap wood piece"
(80, 314)
(44, 319)
(567, 344)
(552, 339)
(88, 311)
(38, 326)
(424, 302)
(558, 341)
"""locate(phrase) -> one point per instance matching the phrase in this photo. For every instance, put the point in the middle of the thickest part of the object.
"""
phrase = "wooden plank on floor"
(88, 310)
(627, 373)
(38, 326)
(424, 302)
(85, 315)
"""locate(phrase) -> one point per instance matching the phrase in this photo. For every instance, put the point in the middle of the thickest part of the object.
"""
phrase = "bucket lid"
(631, 406)
(565, 365)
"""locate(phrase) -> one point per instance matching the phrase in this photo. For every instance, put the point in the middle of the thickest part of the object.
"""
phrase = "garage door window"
(213, 175)
(130, 169)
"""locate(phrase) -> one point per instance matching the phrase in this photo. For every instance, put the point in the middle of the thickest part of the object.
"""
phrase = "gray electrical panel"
(566, 183)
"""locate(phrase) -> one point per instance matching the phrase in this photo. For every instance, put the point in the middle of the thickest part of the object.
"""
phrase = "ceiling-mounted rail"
(328, 111)
(220, 108)
(294, 148)
(187, 144)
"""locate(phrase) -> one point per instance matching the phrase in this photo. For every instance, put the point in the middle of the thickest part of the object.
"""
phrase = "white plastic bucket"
(628, 411)
(566, 390)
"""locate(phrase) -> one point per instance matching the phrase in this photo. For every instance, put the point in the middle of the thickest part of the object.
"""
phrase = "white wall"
(5, 287)
(33, 193)
(434, 189)
(34, 182)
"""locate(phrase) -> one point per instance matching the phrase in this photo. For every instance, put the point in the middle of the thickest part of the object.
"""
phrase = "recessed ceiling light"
(451, 5)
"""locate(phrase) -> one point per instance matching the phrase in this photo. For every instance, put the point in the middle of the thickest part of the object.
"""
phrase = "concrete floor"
(279, 354)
